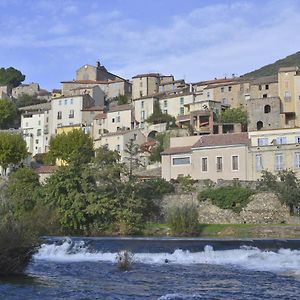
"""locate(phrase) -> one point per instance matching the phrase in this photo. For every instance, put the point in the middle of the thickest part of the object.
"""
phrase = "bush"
(186, 184)
(17, 245)
(183, 220)
(229, 197)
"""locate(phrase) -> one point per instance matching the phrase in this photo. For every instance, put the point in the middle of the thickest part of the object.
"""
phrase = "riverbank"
(231, 230)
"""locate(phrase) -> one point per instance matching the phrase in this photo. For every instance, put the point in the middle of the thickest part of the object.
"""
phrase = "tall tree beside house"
(162, 142)
(11, 77)
(12, 149)
(72, 147)
(8, 113)
(234, 115)
(132, 152)
(159, 117)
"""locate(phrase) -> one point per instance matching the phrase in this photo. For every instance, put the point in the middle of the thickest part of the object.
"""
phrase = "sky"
(48, 40)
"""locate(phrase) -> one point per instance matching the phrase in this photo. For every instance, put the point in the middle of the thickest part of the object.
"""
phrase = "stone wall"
(264, 208)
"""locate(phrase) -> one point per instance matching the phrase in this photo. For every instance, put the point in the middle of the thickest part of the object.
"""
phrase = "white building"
(36, 127)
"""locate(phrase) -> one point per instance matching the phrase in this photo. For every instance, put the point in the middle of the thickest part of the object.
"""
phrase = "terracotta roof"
(176, 150)
(46, 169)
(147, 75)
(100, 116)
(120, 107)
(227, 139)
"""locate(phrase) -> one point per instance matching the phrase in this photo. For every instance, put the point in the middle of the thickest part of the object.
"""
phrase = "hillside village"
(115, 111)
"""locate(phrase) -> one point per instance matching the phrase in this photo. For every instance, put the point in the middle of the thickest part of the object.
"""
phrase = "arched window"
(259, 125)
(267, 109)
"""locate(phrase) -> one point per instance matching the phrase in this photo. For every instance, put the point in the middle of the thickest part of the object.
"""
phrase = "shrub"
(183, 220)
(229, 197)
(17, 245)
(186, 184)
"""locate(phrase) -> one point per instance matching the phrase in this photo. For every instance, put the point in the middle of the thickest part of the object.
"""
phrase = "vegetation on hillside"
(272, 69)
(11, 76)
(159, 117)
(8, 114)
(234, 115)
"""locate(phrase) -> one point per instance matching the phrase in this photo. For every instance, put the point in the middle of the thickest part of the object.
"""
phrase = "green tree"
(234, 115)
(121, 99)
(132, 156)
(74, 146)
(12, 149)
(8, 113)
(159, 117)
(21, 187)
(163, 142)
(26, 100)
(11, 76)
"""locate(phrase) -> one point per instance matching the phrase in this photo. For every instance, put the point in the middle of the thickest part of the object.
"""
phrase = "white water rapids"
(285, 260)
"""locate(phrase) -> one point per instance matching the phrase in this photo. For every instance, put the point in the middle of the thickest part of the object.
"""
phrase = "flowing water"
(162, 268)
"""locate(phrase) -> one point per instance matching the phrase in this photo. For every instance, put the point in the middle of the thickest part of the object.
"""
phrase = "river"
(162, 268)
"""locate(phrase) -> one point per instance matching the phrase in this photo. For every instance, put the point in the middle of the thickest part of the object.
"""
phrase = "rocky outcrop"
(263, 208)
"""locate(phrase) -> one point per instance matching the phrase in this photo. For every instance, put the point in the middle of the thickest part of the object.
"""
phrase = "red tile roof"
(222, 140)
(100, 116)
(46, 169)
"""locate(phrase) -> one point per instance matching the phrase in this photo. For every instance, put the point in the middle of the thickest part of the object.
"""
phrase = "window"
(258, 162)
(281, 140)
(229, 89)
(219, 163)
(287, 96)
(181, 112)
(118, 119)
(297, 140)
(142, 125)
(265, 95)
(59, 102)
(259, 125)
(235, 162)
(59, 115)
(278, 161)
(39, 132)
(71, 101)
(165, 103)
(259, 87)
(208, 95)
(204, 164)
(66, 101)
(267, 109)
(181, 161)
(113, 120)
(142, 115)
(118, 147)
(36, 141)
(71, 114)
(134, 137)
(222, 89)
(39, 122)
(297, 160)
(165, 111)
(262, 141)
(181, 101)
(266, 86)
(142, 104)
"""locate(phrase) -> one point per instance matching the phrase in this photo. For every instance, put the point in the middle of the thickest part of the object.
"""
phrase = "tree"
(121, 99)
(8, 112)
(21, 188)
(159, 117)
(234, 115)
(26, 100)
(72, 147)
(12, 149)
(163, 142)
(132, 151)
(11, 76)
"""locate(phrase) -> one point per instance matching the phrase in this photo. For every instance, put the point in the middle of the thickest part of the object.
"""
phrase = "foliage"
(21, 188)
(285, 184)
(234, 115)
(163, 142)
(132, 151)
(74, 146)
(183, 220)
(186, 184)
(26, 100)
(121, 99)
(17, 245)
(159, 117)
(229, 197)
(12, 149)
(8, 113)
(11, 76)
(272, 69)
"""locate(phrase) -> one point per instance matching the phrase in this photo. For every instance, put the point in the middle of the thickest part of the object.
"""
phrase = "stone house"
(28, 89)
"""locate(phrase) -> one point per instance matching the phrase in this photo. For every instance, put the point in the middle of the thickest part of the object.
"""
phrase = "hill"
(272, 69)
